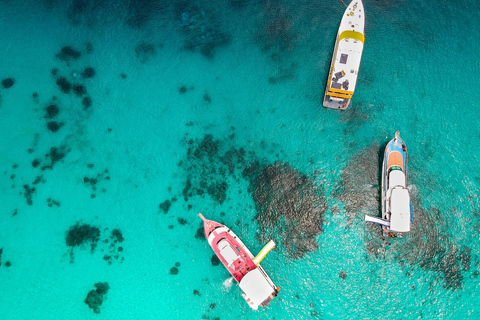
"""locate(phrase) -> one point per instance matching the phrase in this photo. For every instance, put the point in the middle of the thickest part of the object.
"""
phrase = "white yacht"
(342, 78)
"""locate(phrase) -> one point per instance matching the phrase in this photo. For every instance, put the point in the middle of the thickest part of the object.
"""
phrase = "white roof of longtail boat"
(400, 210)
(351, 39)
(256, 288)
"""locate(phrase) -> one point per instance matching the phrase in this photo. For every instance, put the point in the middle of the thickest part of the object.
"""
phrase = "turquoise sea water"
(215, 107)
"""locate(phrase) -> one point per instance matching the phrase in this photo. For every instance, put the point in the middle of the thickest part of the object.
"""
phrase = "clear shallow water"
(253, 75)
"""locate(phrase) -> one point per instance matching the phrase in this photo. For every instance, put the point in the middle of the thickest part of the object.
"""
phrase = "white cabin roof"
(256, 288)
(396, 178)
(227, 252)
(400, 210)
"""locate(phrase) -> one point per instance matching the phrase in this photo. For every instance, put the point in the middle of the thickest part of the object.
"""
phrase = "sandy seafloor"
(215, 107)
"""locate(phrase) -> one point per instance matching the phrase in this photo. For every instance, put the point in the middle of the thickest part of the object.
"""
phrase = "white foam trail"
(227, 284)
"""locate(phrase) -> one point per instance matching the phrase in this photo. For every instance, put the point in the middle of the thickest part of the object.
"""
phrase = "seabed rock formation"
(96, 297)
(290, 206)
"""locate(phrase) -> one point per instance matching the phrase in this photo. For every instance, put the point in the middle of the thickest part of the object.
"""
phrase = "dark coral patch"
(342, 275)
(200, 234)
(54, 126)
(96, 297)
(35, 163)
(206, 98)
(165, 206)
(144, 51)
(68, 53)
(55, 155)
(182, 89)
(174, 270)
(64, 85)
(214, 260)
(82, 235)
(28, 193)
(86, 103)
(290, 206)
(51, 111)
(117, 235)
(89, 72)
(182, 221)
(8, 82)
(79, 90)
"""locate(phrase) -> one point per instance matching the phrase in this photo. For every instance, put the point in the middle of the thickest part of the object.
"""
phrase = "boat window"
(394, 168)
(343, 58)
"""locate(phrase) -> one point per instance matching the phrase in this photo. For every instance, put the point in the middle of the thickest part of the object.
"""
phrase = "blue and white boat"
(397, 212)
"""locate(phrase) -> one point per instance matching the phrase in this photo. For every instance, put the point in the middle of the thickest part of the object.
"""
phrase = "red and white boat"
(258, 289)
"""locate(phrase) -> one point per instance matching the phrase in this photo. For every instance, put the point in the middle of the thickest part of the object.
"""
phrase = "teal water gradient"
(265, 86)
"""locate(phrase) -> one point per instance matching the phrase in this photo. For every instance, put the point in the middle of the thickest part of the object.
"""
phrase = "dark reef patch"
(55, 155)
(200, 234)
(86, 103)
(141, 12)
(1, 252)
(165, 206)
(79, 90)
(64, 85)
(358, 188)
(214, 260)
(206, 159)
(207, 98)
(342, 275)
(289, 205)
(8, 82)
(117, 235)
(174, 270)
(51, 111)
(89, 72)
(28, 193)
(145, 51)
(81, 235)
(54, 126)
(96, 297)
(51, 202)
(93, 181)
(68, 53)
(276, 32)
(201, 29)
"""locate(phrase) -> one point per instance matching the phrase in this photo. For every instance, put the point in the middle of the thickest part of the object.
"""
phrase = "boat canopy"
(227, 252)
(256, 287)
(396, 178)
(400, 210)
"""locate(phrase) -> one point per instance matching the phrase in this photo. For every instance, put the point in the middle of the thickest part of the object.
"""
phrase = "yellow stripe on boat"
(338, 95)
(340, 91)
(269, 246)
(352, 35)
